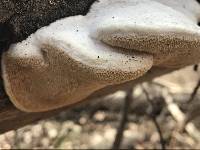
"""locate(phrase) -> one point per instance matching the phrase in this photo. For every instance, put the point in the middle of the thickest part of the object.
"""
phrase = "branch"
(194, 93)
(179, 116)
(154, 119)
(120, 131)
(12, 118)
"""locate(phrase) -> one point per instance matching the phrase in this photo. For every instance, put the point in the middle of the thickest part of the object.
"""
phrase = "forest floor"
(94, 124)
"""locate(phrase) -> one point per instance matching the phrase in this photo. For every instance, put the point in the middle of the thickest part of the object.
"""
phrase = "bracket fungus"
(117, 41)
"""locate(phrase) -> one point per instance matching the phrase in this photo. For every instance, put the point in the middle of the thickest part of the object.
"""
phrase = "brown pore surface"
(62, 78)
(169, 49)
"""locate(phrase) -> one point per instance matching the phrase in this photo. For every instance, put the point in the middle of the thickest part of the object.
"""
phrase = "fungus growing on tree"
(117, 41)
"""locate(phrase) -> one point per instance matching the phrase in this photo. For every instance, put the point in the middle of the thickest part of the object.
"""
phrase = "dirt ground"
(93, 125)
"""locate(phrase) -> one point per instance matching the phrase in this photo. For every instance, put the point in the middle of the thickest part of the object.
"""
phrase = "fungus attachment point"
(117, 41)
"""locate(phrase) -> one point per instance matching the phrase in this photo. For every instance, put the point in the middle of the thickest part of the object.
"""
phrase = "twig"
(194, 93)
(162, 141)
(196, 67)
(179, 116)
(124, 119)
(154, 119)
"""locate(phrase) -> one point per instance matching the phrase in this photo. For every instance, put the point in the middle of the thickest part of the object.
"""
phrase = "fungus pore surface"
(117, 41)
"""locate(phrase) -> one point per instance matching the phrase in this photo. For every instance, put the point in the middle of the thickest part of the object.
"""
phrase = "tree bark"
(24, 17)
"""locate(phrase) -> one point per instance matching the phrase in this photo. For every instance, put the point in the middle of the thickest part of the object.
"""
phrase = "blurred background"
(162, 113)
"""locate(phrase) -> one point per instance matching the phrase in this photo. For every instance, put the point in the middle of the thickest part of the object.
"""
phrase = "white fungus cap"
(167, 29)
(117, 41)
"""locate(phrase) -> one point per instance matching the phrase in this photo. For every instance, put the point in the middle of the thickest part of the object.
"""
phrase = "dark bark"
(26, 16)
